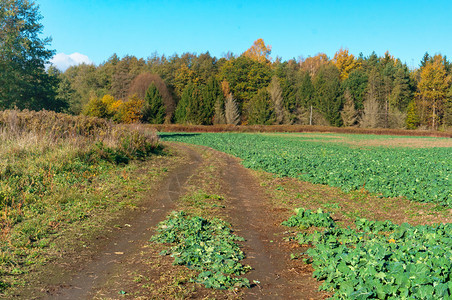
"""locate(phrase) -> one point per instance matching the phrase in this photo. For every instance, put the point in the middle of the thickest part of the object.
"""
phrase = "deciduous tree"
(23, 55)
(232, 115)
(345, 62)
(349, 114)
(259, 51)
(433, 88)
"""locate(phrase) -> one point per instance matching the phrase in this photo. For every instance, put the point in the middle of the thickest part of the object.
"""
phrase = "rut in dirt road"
(84, 284)
(253, 219)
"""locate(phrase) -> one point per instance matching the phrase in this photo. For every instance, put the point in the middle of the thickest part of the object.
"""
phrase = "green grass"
(49, 184)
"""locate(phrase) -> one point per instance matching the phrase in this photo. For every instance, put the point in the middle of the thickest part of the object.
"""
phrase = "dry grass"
(297, 128)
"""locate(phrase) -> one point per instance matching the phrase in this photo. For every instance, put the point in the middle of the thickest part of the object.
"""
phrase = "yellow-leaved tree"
(314, 63)
(432, 89)
(259, 51)
(345, 62)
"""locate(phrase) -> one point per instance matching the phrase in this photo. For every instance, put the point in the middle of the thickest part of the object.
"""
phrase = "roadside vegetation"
(57, 171)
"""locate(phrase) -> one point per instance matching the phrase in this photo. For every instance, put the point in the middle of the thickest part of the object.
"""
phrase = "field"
(370, 259)
(296, 215)
(350, 162)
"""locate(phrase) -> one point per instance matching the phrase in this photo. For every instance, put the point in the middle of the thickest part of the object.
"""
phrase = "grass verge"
(57, 174)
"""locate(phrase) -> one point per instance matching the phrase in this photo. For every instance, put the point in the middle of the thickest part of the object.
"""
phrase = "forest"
(249, 88)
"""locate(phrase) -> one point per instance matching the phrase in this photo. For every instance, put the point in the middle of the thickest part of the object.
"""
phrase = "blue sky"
(97, 29)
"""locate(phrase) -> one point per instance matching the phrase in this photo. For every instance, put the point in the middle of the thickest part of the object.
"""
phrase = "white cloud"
(63, 61)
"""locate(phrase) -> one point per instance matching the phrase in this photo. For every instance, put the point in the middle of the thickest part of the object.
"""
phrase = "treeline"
(250, 89)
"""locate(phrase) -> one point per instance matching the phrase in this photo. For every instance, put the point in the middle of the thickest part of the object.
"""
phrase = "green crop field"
(378, 259)
(369, 259)
(419, 174)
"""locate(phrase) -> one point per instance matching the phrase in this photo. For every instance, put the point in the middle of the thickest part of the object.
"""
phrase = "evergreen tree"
(356, 84)
(305, 92)
(189, 108)
(232, 115)
(402, 93)
(327, 94)
(245, 77)
(153, 109)
(219, 117)
(211, 94)
(180, 114)
(260, 109)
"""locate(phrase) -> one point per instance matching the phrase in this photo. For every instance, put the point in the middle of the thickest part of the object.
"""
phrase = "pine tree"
(327, 98)
(211, 94)
(260, 110)
(180, 114)
(232, 114)
(154, 109)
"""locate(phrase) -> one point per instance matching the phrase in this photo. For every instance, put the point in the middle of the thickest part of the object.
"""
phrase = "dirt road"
(247, 209)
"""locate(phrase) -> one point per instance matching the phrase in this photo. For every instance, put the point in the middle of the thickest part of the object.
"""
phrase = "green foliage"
(96, 108)
(412, 119)
(23, 55)
(306, 218)
(153, 108)
(260, 109)
(189, 108)
(205, 246)
(211, 95)
(383, 260)
(418, 174)
(246, 77)
(356, 83)
(327, 97)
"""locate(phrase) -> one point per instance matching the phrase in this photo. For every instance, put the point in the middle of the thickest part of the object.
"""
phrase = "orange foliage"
(225, 88)
(345, 62)
(259, 51)
(130, 111)
(313, 64)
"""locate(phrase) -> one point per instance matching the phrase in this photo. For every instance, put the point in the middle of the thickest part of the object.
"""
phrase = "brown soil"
(255, 220)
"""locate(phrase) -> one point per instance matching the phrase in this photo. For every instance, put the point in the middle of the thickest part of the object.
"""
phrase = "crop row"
(419, 174)
(378, 259)
(208, 246)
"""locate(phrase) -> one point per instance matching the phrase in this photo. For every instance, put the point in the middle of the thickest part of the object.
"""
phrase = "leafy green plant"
(418, 174)
(382, 260)
(306, 218)
(205, 246)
